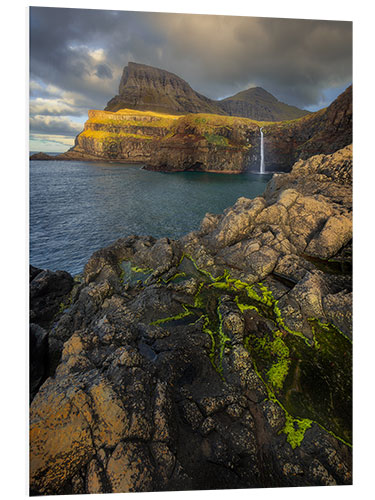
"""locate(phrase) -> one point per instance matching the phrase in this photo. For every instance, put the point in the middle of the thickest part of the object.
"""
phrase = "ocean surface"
(79, 207)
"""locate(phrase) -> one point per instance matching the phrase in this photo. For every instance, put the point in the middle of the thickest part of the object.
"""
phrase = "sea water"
(79, 207)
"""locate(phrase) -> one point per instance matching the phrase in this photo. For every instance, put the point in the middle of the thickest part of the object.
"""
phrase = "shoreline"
(46, 157)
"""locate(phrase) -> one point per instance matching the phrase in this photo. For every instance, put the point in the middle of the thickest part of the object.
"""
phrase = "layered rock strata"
(147, 88)
(220, 360)
(258, 104)
(209, 142)
(323, 132)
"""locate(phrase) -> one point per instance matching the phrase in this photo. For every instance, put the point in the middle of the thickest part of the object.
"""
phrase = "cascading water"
(261, 169)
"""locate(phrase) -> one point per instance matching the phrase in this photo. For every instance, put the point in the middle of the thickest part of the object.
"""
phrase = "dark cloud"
(103, 71)
(82, 52)
(293, 59)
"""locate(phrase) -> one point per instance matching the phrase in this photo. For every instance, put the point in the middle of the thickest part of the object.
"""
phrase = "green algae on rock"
(309, 380)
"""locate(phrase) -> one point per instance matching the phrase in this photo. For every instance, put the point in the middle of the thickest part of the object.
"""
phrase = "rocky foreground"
(221, 360)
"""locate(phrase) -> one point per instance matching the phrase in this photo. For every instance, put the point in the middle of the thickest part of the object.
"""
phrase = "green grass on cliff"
(134, 118)
(102, 136)
(203, 123)
(207, 122)
(218, 130)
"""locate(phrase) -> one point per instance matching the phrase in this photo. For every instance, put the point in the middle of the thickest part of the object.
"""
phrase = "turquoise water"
(79, 207)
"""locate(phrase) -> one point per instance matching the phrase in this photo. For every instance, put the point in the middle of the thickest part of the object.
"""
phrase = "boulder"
(48, 291)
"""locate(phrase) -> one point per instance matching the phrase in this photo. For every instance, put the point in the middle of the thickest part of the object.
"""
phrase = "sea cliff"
(209, 142)
(148, 88)
(219, 360)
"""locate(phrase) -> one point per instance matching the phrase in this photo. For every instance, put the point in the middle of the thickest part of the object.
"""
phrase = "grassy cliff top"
(200, 124)
(207, 119)
(102, 135)
(132, 117)
(136, 112)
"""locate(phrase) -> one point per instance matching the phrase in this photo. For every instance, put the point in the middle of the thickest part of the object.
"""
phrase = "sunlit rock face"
(158, 120)
(219, 360)
(210, 142)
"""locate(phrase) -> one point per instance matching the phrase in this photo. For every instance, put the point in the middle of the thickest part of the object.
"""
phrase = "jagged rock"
(130, 468)
(48, 290)
(50, 293)
(95, 475)
(338, 310)
(336, 233)
(41, 156)
(237, 221)
(38, 355)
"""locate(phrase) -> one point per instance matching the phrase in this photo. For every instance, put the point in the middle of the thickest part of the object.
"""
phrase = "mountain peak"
(142, 74)
(259, 104)
(148, 88)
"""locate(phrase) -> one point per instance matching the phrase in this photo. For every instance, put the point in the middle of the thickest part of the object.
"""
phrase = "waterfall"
(261, 170)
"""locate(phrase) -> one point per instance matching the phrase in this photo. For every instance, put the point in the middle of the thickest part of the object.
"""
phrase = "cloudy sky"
(77, 57)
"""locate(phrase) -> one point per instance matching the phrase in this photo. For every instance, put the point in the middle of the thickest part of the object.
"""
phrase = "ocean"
(79, 207)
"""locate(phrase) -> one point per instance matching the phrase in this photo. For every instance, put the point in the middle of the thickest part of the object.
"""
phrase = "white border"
(14, 123)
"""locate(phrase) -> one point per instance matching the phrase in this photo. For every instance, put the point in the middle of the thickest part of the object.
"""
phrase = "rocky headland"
(147, 88)
(258, 104)
(220, 360)
(209, 142)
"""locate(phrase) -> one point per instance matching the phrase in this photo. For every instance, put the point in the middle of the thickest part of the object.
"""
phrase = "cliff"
(209, 142)
(152, 89)
(325, 131)
(258, 104)
(204, 142)
(127, 135)
(220, 360)
(147, 88)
